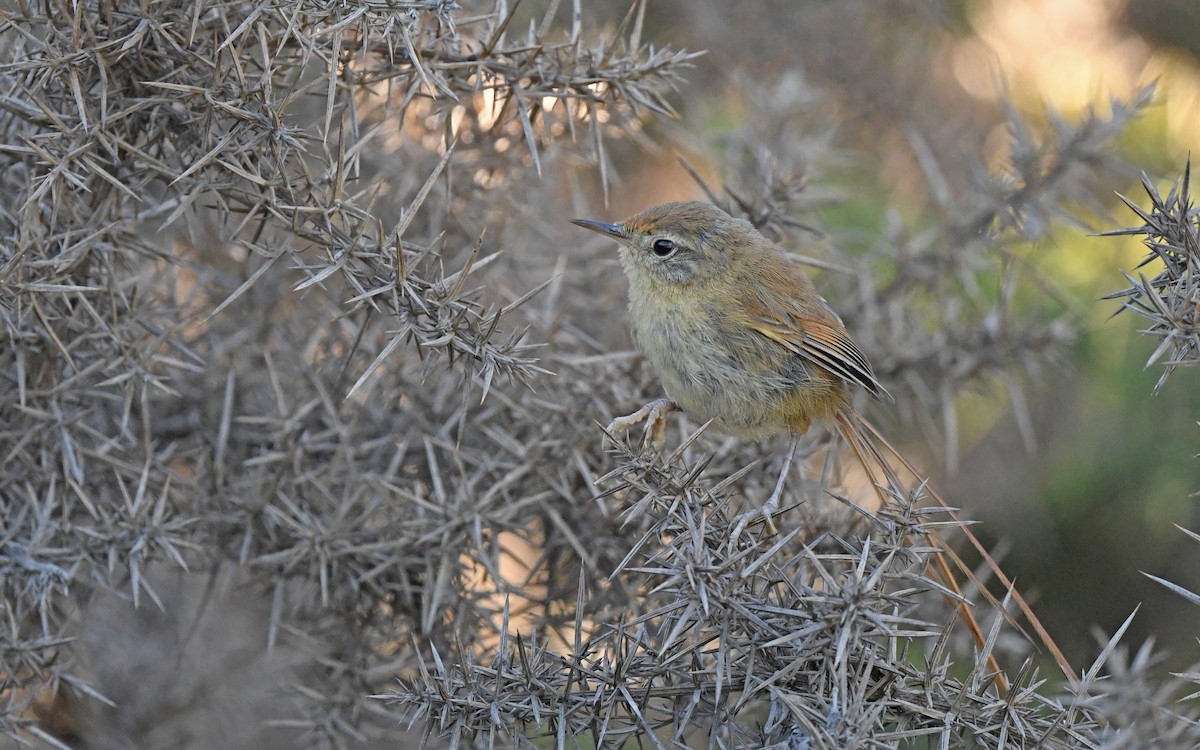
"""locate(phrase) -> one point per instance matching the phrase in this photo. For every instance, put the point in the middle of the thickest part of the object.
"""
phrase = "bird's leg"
(768, 508)
(654, 414)
(772, 503)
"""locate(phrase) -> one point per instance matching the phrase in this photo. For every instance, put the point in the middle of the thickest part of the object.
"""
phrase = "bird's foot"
(766, 512)
(770, 507)
(654, 414)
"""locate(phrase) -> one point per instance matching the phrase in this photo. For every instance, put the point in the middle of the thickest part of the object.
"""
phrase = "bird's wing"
(824, 343)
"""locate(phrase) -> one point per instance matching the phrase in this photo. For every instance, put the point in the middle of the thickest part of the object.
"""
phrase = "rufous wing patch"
(822, 344)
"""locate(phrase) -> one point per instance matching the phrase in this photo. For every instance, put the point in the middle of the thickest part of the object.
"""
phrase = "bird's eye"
(664, 247)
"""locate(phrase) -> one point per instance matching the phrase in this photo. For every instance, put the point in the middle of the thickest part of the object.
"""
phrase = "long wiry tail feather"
(868, 446)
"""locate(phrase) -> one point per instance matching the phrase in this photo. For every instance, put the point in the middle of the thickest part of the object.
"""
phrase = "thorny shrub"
(290, 308)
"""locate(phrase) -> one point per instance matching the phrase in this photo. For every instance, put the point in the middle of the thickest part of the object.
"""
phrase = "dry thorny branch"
(253, 302)
(1171, 299)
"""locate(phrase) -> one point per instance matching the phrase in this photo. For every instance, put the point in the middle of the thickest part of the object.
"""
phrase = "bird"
(737, 334)
(740, 337)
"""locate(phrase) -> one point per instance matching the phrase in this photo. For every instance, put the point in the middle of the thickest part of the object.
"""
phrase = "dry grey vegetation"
(1171, 231)
(302, 372)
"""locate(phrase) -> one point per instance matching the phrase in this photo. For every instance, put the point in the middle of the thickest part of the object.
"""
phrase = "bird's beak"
(616, 231)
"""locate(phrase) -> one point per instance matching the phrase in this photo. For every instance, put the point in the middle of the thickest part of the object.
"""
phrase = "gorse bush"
(302, 373)
(1171, 231)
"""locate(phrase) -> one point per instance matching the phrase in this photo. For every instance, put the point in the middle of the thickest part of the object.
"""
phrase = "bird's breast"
(713, 371)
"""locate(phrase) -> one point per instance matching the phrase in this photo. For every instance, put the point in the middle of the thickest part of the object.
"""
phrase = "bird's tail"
(870, 449)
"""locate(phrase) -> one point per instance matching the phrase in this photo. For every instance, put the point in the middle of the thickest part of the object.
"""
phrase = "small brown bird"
(739, 335)
(736, 332)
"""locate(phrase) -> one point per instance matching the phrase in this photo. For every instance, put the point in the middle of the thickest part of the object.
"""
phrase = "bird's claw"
(654, 414)
(748, 517)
